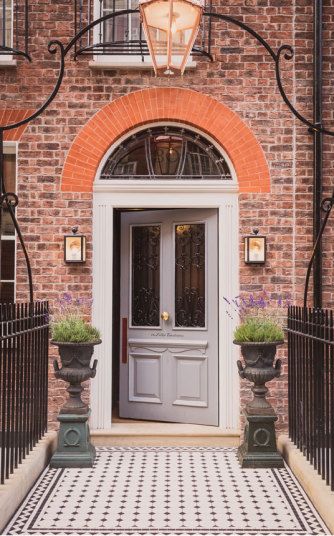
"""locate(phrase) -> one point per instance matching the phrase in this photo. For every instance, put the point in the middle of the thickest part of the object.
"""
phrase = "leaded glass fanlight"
(166, 153)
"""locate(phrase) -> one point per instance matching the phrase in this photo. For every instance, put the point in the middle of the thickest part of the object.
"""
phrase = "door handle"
(165, 316)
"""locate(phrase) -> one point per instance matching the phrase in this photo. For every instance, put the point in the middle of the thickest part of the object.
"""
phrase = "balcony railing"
(14, 26)
(122, 35)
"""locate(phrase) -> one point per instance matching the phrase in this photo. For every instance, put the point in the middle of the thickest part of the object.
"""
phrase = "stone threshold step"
(165, 434)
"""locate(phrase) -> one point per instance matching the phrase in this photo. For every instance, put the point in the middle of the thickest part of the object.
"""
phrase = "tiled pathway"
(166, 490)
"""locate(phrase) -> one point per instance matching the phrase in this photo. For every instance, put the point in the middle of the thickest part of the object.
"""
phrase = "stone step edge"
(16, 487)
(314, 486)
(156, 430)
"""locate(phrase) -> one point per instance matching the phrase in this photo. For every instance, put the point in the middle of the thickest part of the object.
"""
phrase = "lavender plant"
(261, 305)
(69, 323)
(255, 329)
(262, 317)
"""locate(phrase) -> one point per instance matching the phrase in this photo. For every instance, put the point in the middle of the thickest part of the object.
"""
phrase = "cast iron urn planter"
(74, 448)
(259, 448)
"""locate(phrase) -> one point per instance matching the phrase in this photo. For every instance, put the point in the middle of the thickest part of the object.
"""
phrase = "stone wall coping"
(16, 487)
(314, 486)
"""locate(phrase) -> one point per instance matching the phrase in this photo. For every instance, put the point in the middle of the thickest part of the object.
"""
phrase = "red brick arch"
(165, 104)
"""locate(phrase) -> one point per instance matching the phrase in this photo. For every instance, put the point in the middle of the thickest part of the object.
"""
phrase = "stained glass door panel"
(145, 271)
(190, 275)
(169, 303)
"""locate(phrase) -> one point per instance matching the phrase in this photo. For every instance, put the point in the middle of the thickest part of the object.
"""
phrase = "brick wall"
(242, 78)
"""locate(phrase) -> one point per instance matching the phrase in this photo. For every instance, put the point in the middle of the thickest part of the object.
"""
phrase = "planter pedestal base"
(74, 448)
(259, 448)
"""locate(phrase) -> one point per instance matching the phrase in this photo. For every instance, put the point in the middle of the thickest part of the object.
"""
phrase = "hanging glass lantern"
(170, 28)
(255, 248)
(75, 247)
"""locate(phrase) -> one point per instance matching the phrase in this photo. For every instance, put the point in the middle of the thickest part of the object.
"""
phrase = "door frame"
(112, 195)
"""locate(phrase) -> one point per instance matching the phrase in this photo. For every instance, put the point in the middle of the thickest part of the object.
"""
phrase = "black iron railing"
(311, 386)
(24, 341)
(123, 36)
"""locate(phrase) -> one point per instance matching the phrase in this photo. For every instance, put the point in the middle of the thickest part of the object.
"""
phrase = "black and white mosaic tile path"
(166, 490)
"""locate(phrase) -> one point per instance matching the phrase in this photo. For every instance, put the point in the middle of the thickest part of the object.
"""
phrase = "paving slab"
(166, 490)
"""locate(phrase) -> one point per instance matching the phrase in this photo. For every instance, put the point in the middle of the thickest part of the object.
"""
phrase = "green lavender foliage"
(72, 328)
(255, 329)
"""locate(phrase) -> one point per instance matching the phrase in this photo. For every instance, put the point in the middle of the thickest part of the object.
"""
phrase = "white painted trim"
(228, 226)
(6, 62)
(102, 310)
(165, 187)
(109, 195)
(228, 278)
(11, 147)
(125, 63)
(161, 342)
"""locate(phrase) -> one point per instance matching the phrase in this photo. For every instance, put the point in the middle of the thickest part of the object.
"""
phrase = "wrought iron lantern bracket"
(56, 46)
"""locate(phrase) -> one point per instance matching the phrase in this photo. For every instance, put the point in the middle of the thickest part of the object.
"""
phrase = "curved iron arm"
(54, 45)
(287, 50)
(326, 206)
(52, 48)
(276, 56)
(10, 200)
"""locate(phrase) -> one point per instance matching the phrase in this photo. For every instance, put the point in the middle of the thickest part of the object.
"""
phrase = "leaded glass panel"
(145, 298)
(190, 275)
(166, 153)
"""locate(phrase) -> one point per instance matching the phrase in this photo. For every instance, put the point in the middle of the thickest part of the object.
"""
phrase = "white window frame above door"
(110, 195)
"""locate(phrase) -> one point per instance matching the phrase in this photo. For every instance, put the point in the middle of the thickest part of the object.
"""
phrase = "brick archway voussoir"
(165, 104)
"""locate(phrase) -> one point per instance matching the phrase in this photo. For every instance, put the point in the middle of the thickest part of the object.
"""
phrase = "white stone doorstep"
(314, 486)
(16, 487)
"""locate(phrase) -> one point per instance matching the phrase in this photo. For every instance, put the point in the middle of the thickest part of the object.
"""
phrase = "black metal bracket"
(55, 46)
(326, 206)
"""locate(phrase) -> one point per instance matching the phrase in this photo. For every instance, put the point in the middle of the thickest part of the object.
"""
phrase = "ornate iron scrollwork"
(166, 153)
(190, 309)
(57, 46)
(146, 275)
(190, 275)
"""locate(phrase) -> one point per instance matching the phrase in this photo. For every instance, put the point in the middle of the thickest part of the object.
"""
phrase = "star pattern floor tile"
(166, 490)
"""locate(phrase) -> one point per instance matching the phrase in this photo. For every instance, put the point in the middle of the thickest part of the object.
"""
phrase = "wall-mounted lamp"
(255, 248)
(75, 247)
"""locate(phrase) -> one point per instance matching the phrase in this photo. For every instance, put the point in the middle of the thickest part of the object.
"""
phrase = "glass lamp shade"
(170, 28)
(255, 249)
(75, 248)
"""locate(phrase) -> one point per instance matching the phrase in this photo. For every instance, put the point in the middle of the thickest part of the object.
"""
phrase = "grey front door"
(169, 316)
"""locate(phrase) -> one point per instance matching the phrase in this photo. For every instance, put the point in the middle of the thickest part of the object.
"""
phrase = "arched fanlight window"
(166, 153)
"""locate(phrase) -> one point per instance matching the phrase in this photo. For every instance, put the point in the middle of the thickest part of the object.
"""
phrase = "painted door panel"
(169, 265)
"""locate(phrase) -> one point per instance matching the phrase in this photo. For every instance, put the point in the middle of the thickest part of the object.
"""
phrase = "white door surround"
(110, 195)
